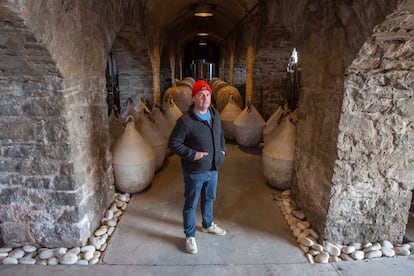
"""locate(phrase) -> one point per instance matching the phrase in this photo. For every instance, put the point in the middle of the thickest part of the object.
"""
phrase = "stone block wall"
(56, 176)
(36, 171)
(327, 35)
(135, 72)
(373, 179)
(270, 79)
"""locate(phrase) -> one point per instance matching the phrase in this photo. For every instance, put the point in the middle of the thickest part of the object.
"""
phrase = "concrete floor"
(149, 239)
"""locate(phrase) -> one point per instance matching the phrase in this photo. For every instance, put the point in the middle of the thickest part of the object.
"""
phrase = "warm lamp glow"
(202, 34)
(203, 9)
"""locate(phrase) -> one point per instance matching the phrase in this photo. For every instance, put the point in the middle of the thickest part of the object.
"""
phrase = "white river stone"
(305, 249)
(306, 242)
(313, 233)
(297, 232)
(286, 192)
(16, 253)
(122, 197)
(304, 225)
(103, 246)
(87, 248)
(332, 249)
(358, 255)
(95, 242)
(4, 254)
(387, 251)
(368, 244)
(31, 255)
(117, 214)
(111, 230)
(322, 258)
(348, 249)
(346, 257)
(109, 214)
(317, 247)
(29, 248)
(101, 230)
(97, 254)
(304, 234)
(88, 255)
(46, 254)
(314, 252)
(309, 257)
(94, 261)
(373, 254)
(401, 251)
(288, 210)
(386, 243)
(334, 259)
(357, 245)
(75, 250)
(60, 251)
(82, 262)
(53, 261)
(375, 246)
(111, 223)
(42, 262)
(299, 214)
(27, 261)
(118, 203)
(10, 260)
(69, 258)
(5, 249)
(293, 221)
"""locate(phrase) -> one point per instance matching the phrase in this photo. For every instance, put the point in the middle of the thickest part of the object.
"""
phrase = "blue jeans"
(196, 184)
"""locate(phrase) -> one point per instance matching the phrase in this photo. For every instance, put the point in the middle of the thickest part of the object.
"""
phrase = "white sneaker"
(214, 229)
(191, 245)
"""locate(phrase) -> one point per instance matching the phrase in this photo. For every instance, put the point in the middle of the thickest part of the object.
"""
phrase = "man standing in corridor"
(199, 140)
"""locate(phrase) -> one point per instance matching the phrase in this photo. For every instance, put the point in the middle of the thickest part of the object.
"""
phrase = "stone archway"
(35, 151)
(56, 166)
(134, 66)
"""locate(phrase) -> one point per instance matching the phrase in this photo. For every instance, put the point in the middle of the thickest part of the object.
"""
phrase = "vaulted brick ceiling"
(177, 17)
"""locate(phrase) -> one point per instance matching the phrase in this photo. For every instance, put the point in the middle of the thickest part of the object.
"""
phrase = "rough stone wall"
(374, 173)
(270, 80)
(239, 72)
(54, 141)
(135, 72)
(273, 49)
(327, 34)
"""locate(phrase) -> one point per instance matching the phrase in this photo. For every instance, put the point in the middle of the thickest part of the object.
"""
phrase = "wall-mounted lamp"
(203, 9)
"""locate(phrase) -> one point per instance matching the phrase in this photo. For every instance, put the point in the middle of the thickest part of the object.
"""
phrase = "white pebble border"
(327, 252)
(89, 254)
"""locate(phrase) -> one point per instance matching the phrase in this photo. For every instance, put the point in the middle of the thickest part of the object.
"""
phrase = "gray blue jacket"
(191, 135)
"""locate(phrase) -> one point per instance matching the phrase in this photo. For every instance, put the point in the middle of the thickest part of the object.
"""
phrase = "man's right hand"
(200, 154)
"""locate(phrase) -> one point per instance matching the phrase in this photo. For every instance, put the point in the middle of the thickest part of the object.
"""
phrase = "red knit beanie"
(199, 86)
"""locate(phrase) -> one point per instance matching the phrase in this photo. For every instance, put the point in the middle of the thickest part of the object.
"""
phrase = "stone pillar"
(172, 66)
(232, 49)
(374, 172)
(250, 57)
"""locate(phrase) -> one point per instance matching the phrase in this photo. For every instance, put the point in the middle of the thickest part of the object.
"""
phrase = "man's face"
(202, 100)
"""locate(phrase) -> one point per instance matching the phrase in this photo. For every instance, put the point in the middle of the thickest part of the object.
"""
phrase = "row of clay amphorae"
(141, 148)
(249, 129)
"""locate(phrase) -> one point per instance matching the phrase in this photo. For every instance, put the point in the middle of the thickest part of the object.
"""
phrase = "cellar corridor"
(256, 230)
(149, 238)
